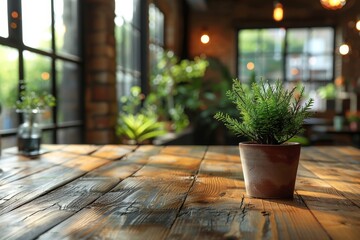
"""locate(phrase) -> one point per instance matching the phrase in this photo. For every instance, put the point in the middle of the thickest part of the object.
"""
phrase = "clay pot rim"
(286, 144)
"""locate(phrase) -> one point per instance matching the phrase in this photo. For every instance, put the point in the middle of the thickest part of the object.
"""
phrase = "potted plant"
(138, 124)
(30, 104)
(269, 115)
(175, 88)
(353, 118)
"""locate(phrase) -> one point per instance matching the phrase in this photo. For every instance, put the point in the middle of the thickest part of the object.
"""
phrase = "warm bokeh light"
(278, 12)
(205, 39)
(13, 25)
(295, 71)
(45, 76)
(344, 49)
(358, 25)
(250, 66)
(333, 4)
(14, 14)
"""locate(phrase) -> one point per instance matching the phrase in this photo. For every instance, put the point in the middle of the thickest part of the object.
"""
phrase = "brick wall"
(100, 71)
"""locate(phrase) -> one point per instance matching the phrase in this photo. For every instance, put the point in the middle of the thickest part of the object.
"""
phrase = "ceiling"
(290, 5)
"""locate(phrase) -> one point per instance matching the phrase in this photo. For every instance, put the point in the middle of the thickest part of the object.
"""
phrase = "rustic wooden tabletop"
(173, 192)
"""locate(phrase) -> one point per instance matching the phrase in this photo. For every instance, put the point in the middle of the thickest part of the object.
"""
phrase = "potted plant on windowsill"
(269, 116)
(30, 105)
(138, 124)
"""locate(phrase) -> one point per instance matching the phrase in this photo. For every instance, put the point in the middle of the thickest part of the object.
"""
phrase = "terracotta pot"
(269, 170)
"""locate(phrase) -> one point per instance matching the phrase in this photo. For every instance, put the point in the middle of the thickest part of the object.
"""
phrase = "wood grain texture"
(113, 152)
(172, 192)
(142, 206)
(51, 209)
(332, 193)
(17, 193)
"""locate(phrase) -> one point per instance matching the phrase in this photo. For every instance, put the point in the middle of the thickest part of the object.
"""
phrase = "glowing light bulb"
(333, 4)
(278, 14)
(205, 39)
(344, 49)
(358, 25)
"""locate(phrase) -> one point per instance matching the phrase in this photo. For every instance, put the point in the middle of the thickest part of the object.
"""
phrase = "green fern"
(268, 113)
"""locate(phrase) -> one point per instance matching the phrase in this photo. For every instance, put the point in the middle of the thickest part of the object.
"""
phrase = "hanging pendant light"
(333, 4)
(278, 13)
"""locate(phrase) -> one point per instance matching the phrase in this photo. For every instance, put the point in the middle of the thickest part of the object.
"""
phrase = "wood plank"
(18, 167)
(221, 169)
(188, 151)
(138, 208)
(140, 205)
(149, 149)
(337, 214)
(80, 149)
(349, 190)
(113, 152)
(36, 217)
(170, 166)
(223, 153)
(335, 171)
(216, 209)
(19, 192)
(119, 222)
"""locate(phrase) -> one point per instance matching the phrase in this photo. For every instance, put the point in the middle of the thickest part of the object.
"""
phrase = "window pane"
(322, 39)
(120, 43)
(37, 23)
(272, 40)
(296, 67)
(320, 67)
(248, 41)
(124, 9)
(66, 26)
(129, 55)
(247, 68)
(308, 56)
(69, 136)
(273, 69)
(160, 28)
(296, 40)
(136, 40)
(152, 22)
(37, 73)
(68, 87)
(137, 16)
(4, 31)
(9, 79)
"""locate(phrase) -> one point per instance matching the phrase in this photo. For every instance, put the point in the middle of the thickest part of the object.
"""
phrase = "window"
(128, 54)
(292, 54)
(156, 36)
(41, 51)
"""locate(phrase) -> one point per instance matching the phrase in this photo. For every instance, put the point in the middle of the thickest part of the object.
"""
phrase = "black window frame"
(285, 51)
(14, 40)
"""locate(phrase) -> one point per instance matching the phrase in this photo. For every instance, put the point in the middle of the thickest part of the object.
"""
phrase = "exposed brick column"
(100, 71)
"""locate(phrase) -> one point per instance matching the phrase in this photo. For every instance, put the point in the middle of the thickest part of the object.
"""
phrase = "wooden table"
(174, 192)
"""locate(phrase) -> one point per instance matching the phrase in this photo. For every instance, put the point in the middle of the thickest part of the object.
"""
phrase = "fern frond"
(268, 113)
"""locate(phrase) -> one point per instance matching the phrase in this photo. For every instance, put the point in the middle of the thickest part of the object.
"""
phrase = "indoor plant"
(30, 104)
(138, 124)
(269, 115)
(353, 118)
(175, 88)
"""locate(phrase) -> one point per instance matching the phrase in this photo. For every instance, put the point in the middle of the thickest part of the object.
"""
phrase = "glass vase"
(29, 133)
